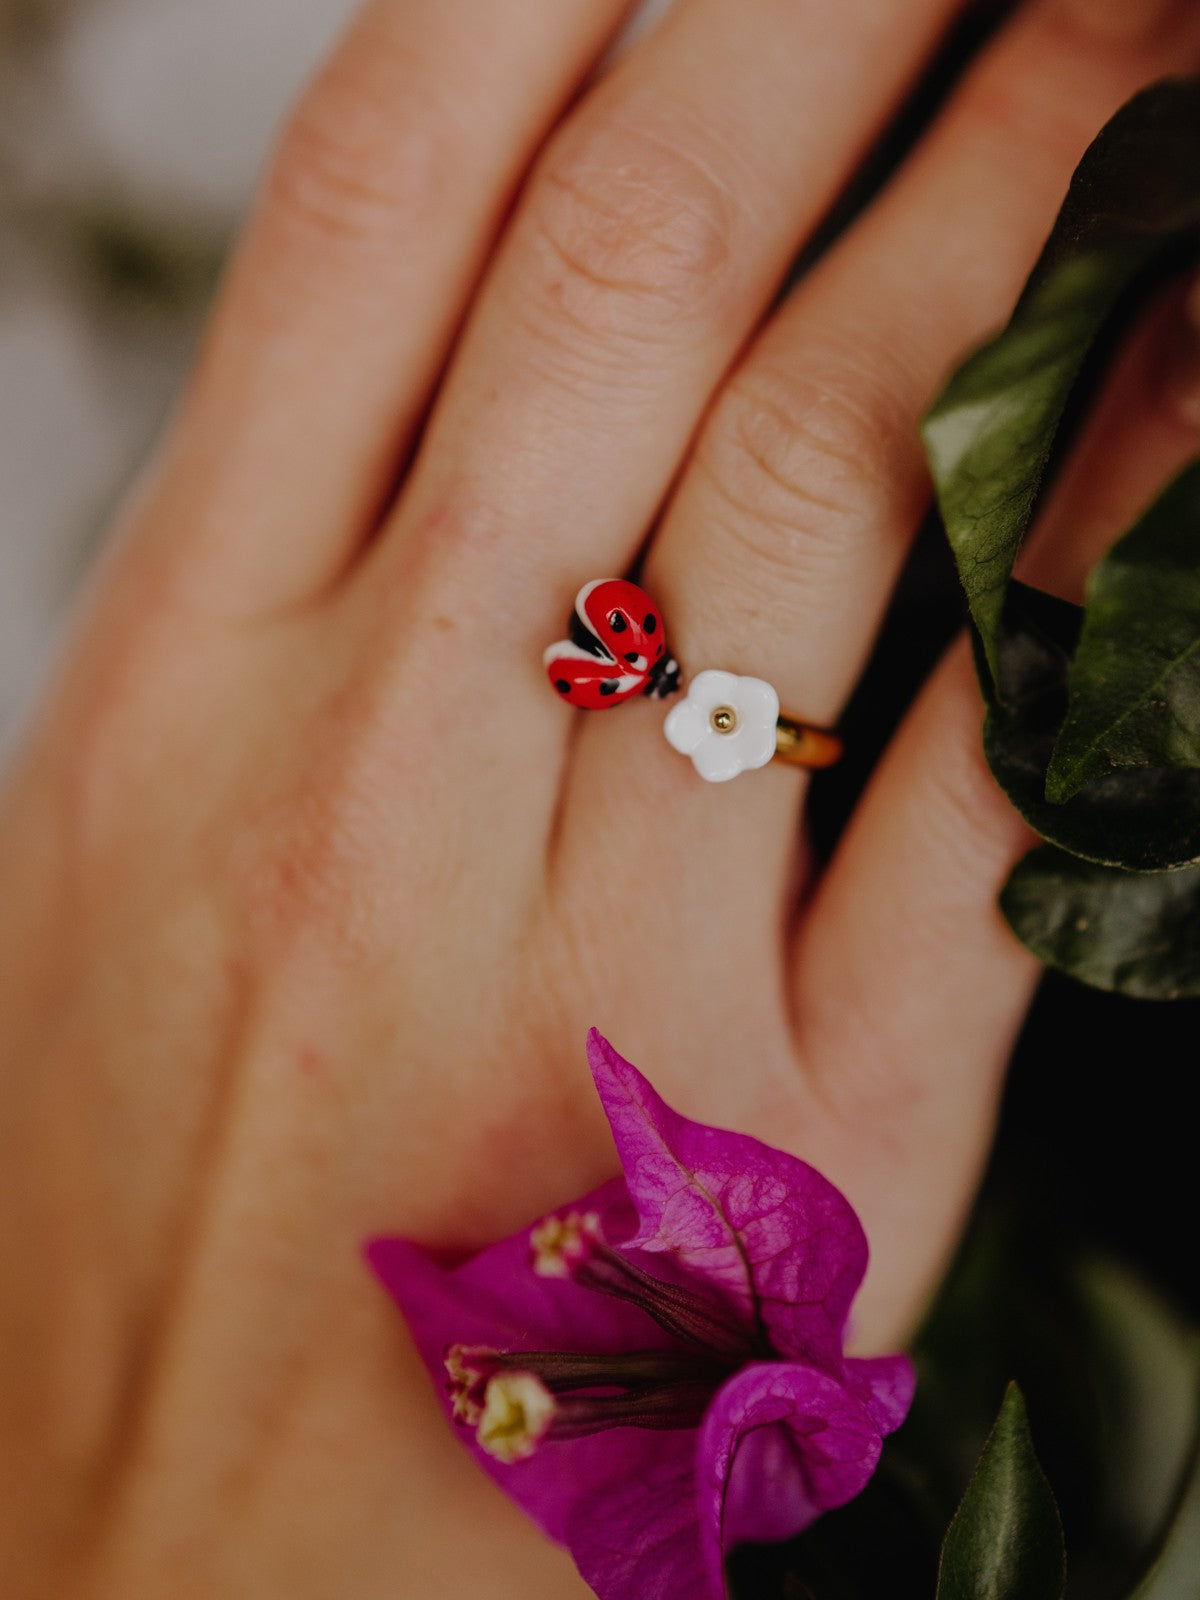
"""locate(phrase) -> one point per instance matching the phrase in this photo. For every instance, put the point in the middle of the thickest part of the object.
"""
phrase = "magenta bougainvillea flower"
(656, 1373)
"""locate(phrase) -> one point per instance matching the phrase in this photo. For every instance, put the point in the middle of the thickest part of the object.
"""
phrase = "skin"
(310, 887)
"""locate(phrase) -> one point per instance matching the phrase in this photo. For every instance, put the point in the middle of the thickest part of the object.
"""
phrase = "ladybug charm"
(617, 648)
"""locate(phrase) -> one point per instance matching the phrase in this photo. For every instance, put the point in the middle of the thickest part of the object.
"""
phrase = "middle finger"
(653, 233)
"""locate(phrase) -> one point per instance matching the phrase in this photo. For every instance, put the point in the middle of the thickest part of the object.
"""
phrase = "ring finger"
(781, 545)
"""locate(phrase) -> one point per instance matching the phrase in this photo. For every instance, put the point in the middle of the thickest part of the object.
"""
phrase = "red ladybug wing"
(588, 681)
(625, 620)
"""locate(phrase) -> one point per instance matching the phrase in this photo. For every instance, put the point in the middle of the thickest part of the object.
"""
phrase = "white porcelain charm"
(726, 724)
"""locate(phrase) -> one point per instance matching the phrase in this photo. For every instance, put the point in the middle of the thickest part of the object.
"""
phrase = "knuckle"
(628, 228)
(363, 156)
(807, 458)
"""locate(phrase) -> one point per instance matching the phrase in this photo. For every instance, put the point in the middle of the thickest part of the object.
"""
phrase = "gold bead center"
(724, 719)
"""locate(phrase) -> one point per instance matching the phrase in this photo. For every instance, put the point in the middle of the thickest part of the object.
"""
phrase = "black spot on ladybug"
(651, 623)
(617, 622)
(562, 686)
(609, 686)
(632, 657)
(659, 651)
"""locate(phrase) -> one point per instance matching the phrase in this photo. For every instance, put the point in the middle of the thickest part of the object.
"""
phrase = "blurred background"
(131, 134)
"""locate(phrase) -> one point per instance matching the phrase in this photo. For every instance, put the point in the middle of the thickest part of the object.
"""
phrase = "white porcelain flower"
(725, 723)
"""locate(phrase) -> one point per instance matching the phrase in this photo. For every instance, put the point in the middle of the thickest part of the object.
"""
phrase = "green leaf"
(1134, 686)
(1142, 1354)
(1006, 1541)
(1134, 933)
(1134, 196)
(1144, 818)
(1175, 1572)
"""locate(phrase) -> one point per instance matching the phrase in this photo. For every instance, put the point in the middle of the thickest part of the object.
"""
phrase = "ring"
(730, 724)
(726, 723)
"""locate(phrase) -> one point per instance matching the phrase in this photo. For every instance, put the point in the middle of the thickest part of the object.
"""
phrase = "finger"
(380, 204)
(650, 238)
(1142, 430)
(782, 545)
(909, 990)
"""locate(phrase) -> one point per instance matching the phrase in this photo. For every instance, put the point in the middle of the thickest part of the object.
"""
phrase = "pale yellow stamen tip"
(557, 1242)
(724, 719)
(517, 1410)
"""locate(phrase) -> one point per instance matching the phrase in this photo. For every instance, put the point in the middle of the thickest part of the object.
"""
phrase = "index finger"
(376, 214)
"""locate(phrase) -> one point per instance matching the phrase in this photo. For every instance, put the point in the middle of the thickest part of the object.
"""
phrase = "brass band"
(803, 746)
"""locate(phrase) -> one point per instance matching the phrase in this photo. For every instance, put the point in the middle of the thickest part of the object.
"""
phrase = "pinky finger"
(909, 990)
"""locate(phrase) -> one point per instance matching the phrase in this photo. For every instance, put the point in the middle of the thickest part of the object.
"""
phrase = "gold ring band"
(805, 746)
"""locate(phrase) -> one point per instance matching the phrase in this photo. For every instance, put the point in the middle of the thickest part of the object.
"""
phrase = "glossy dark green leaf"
(1135, 933)
(1134, 686)
(989, 435)
(1144, 818)
(1175, 1572)
(1006, 1541)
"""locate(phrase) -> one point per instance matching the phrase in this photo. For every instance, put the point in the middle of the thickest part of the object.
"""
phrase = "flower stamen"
(516, 1414)
(573, 1246)
(514, 1399)
(668, 1405)
(558, 1244)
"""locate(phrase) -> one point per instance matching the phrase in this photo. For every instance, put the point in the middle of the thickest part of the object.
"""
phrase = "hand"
(309, 885)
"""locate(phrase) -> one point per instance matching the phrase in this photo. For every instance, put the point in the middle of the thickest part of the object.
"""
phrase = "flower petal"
(496, 1300)
(687, 727)
(756, 745)
(780, 1444)
(757, 702)
(712, 688)
(641, 1537)
(758, 713)
(719, 757)
(768, 1233)
(885, 1386)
